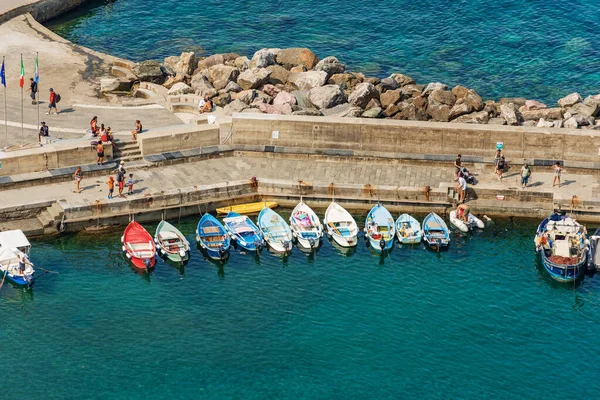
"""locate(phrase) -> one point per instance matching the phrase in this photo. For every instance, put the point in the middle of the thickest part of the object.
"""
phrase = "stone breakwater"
(295, 81)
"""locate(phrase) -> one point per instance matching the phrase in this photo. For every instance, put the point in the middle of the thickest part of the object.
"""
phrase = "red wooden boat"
(138, 246)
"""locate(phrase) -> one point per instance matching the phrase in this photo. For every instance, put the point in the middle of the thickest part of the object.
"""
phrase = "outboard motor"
(593, 263)
(222, 252)
(311, 242)
(182, 253)
(287, 245)
(382, 244)
(147, 263)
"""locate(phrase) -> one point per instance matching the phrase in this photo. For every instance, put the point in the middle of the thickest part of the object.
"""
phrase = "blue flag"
(2, 75)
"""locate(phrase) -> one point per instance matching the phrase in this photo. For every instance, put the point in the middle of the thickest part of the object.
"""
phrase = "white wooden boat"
(306, 226)
(408, 230)
(14, 248)
(380, 228)
(276, 231)
(341, 226)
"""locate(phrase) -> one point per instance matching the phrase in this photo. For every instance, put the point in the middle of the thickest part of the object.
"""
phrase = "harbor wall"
(50, 156)
(41, 10)
(178, 138)
(365, 137)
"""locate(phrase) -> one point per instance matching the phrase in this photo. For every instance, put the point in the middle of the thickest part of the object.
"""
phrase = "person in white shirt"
(462, 188)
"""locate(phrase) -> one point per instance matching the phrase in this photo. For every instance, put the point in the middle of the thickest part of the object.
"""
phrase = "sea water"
(481, 320)
(540, 49)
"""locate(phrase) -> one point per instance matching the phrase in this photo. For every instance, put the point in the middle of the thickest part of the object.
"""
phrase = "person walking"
(33, 88)
(462, 188)
(54, 98)
(111, 186)
(44, 131)
(525, 175)
(558, 169)
(458, 165)
(100, 152)
(500, 167)
(77, 176)
(497, 160)
(130, 184)
(94, 125)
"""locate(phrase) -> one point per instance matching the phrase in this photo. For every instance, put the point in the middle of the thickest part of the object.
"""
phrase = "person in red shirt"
(52, 103)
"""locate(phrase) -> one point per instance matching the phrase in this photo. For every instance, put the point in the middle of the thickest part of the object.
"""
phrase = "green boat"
(171, 243)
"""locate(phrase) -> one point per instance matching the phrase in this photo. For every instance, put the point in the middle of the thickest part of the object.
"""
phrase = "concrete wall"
(42, 10)
(365, 136)
(51, 156)
(177, 138)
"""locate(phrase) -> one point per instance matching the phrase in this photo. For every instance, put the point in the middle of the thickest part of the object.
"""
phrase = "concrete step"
(129, 159)
(159, 90)
(145, 94)
(126, 147)
(128, 153)
(124, 73)
(119, 62)
(183, 108)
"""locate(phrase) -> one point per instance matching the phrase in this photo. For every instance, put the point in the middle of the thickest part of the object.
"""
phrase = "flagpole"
(22, 124)
(5, 116)
(37, 80)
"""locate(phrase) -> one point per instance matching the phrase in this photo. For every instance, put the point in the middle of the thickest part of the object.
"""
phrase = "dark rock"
(222, 100)
(331, 66)
(149, 71)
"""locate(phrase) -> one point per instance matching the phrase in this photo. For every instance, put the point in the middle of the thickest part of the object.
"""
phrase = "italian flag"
(22, 78)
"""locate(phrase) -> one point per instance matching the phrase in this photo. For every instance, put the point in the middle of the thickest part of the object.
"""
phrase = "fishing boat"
(594, 251)
(471, 223)
(341, 226)
(213, 238)
(435, 231)
(248, 208)
(276, 231)
(408, 230)
(243, 231)
(562, 244)
(138, 246)
(171, 243)
(14, 249)
(306, 226)
(380, 228)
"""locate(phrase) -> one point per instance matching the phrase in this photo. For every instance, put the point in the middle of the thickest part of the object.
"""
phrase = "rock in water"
(308, 80)
(180, 88)
(264, 57)
(331, 66)
(531, 105)
(149, 71)
(327, 96)
(509, 113)
(253, 78)
(570, 100)
(297, 56)
(547, 114)
(362, 94)
(402, 79)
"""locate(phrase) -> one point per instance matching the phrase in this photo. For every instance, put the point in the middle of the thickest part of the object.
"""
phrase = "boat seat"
(561, 248)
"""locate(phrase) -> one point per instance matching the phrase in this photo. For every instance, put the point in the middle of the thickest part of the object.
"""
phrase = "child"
(111, 186)
(130, 184)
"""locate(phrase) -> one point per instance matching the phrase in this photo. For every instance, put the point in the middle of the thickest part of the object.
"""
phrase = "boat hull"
(140, 264)
(375, 244)
(344, 241)
(19, 280)
(563, 273)
(307, 244)
(279, 247)
(176, 257)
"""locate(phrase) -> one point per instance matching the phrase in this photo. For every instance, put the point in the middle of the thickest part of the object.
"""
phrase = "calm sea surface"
(478, 321)
(541, 49)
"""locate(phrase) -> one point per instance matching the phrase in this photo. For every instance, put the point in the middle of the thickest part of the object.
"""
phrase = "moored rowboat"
(14, 258)
(435, 231)
(276, 231)
(138, 246)
(341, 226)
(408, 230)
(248, 208)
(212, 237)
(306, 226)
(471, 223)
(171, 243)
(380, 228)
(243, 231)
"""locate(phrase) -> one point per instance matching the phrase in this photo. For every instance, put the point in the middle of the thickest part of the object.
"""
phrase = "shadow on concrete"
(535, 184)
(67, 110)
(565, 183)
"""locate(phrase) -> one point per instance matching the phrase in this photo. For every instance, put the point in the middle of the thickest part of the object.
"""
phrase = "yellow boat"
(248, 208)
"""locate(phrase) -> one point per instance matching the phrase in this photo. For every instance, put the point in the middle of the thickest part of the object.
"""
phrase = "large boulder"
(412, 110)
(271, 90)
(235, 106)
(517, 101)
(440, 97)
(409, 91)
(297, 56)
(590, 110)
(210, 61)
(232, 87)
(279, 75)
(460, 108)
(302, 98)
(433, 86)
(439, 112)
(202, 86)
(571, 123)
(391, 110)
(331, 65)
(591, 100)
(149, 71)
(402, 79)
(220, 75)
(510, 113)
(179, 89)
(264, 57)
(374, 112)
(547, 114)
(253, 78)
(531, 105)
(346, 80)
(480, 117)
(245, 96)
(570, 100)
(276, 109)
(327, 96)
(173, 80)
(363, 93)
(171, 62)
(308, 80)
(338, 111)
(284, 97)
(542, 123)
(222, 99)
(390, 97)
(387, 84)
(242, 63)
(115, 85)
(186, 63)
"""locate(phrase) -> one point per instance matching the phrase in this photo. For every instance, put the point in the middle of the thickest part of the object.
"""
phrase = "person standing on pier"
(33, 88)
(525, 175)
(77, 177)
(111, 186)
(54, 98)
(462, 188)
(557, 171)
(100, 152)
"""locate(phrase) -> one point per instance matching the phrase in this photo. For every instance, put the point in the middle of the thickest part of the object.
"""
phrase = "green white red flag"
(22, 78)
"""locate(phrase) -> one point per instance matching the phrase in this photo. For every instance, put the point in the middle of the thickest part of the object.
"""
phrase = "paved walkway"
(155, 180)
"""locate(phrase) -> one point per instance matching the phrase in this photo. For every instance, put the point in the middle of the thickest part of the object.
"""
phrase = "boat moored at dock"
(562, 244)
(139, 246)
(14, 258)
(213, 238)
(306, 226)
(408, 230)
(247, 208)
(435, 232)
(171, 243)
(243, 231)
(380, 228)
(276, 231)
(466, 226)
(341, 226)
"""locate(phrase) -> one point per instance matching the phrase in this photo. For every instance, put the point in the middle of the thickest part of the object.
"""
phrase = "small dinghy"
(594, 251)
(248, 208)
(171, 243)
(341, 226)
(435, 231)
(562, 244)
(408, 230)
(472, 223)
(213, 238)
(243, 231)
(138, 246)
(306, 226)
(14, 258)
(276, 231)
(380, 228)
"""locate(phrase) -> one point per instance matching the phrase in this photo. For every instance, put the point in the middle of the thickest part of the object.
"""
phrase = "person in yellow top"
(111, 186)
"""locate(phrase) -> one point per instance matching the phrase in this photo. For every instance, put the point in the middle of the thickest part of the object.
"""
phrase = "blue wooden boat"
(435, 232)
(408, 230)
(212, 237)
(380, 228)
(14, 248)
(276, 231)
(561, 242)
(243, 231)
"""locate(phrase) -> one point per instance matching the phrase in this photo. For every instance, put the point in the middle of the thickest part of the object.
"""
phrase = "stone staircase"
(50, 218)
(126, 150)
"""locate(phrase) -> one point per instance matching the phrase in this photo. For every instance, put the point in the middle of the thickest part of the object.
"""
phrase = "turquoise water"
(478, 321)
(542, 49)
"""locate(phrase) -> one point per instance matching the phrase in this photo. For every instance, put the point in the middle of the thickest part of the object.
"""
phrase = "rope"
(5, 273)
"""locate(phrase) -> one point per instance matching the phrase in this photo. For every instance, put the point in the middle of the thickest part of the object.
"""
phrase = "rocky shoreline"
(294, 81)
